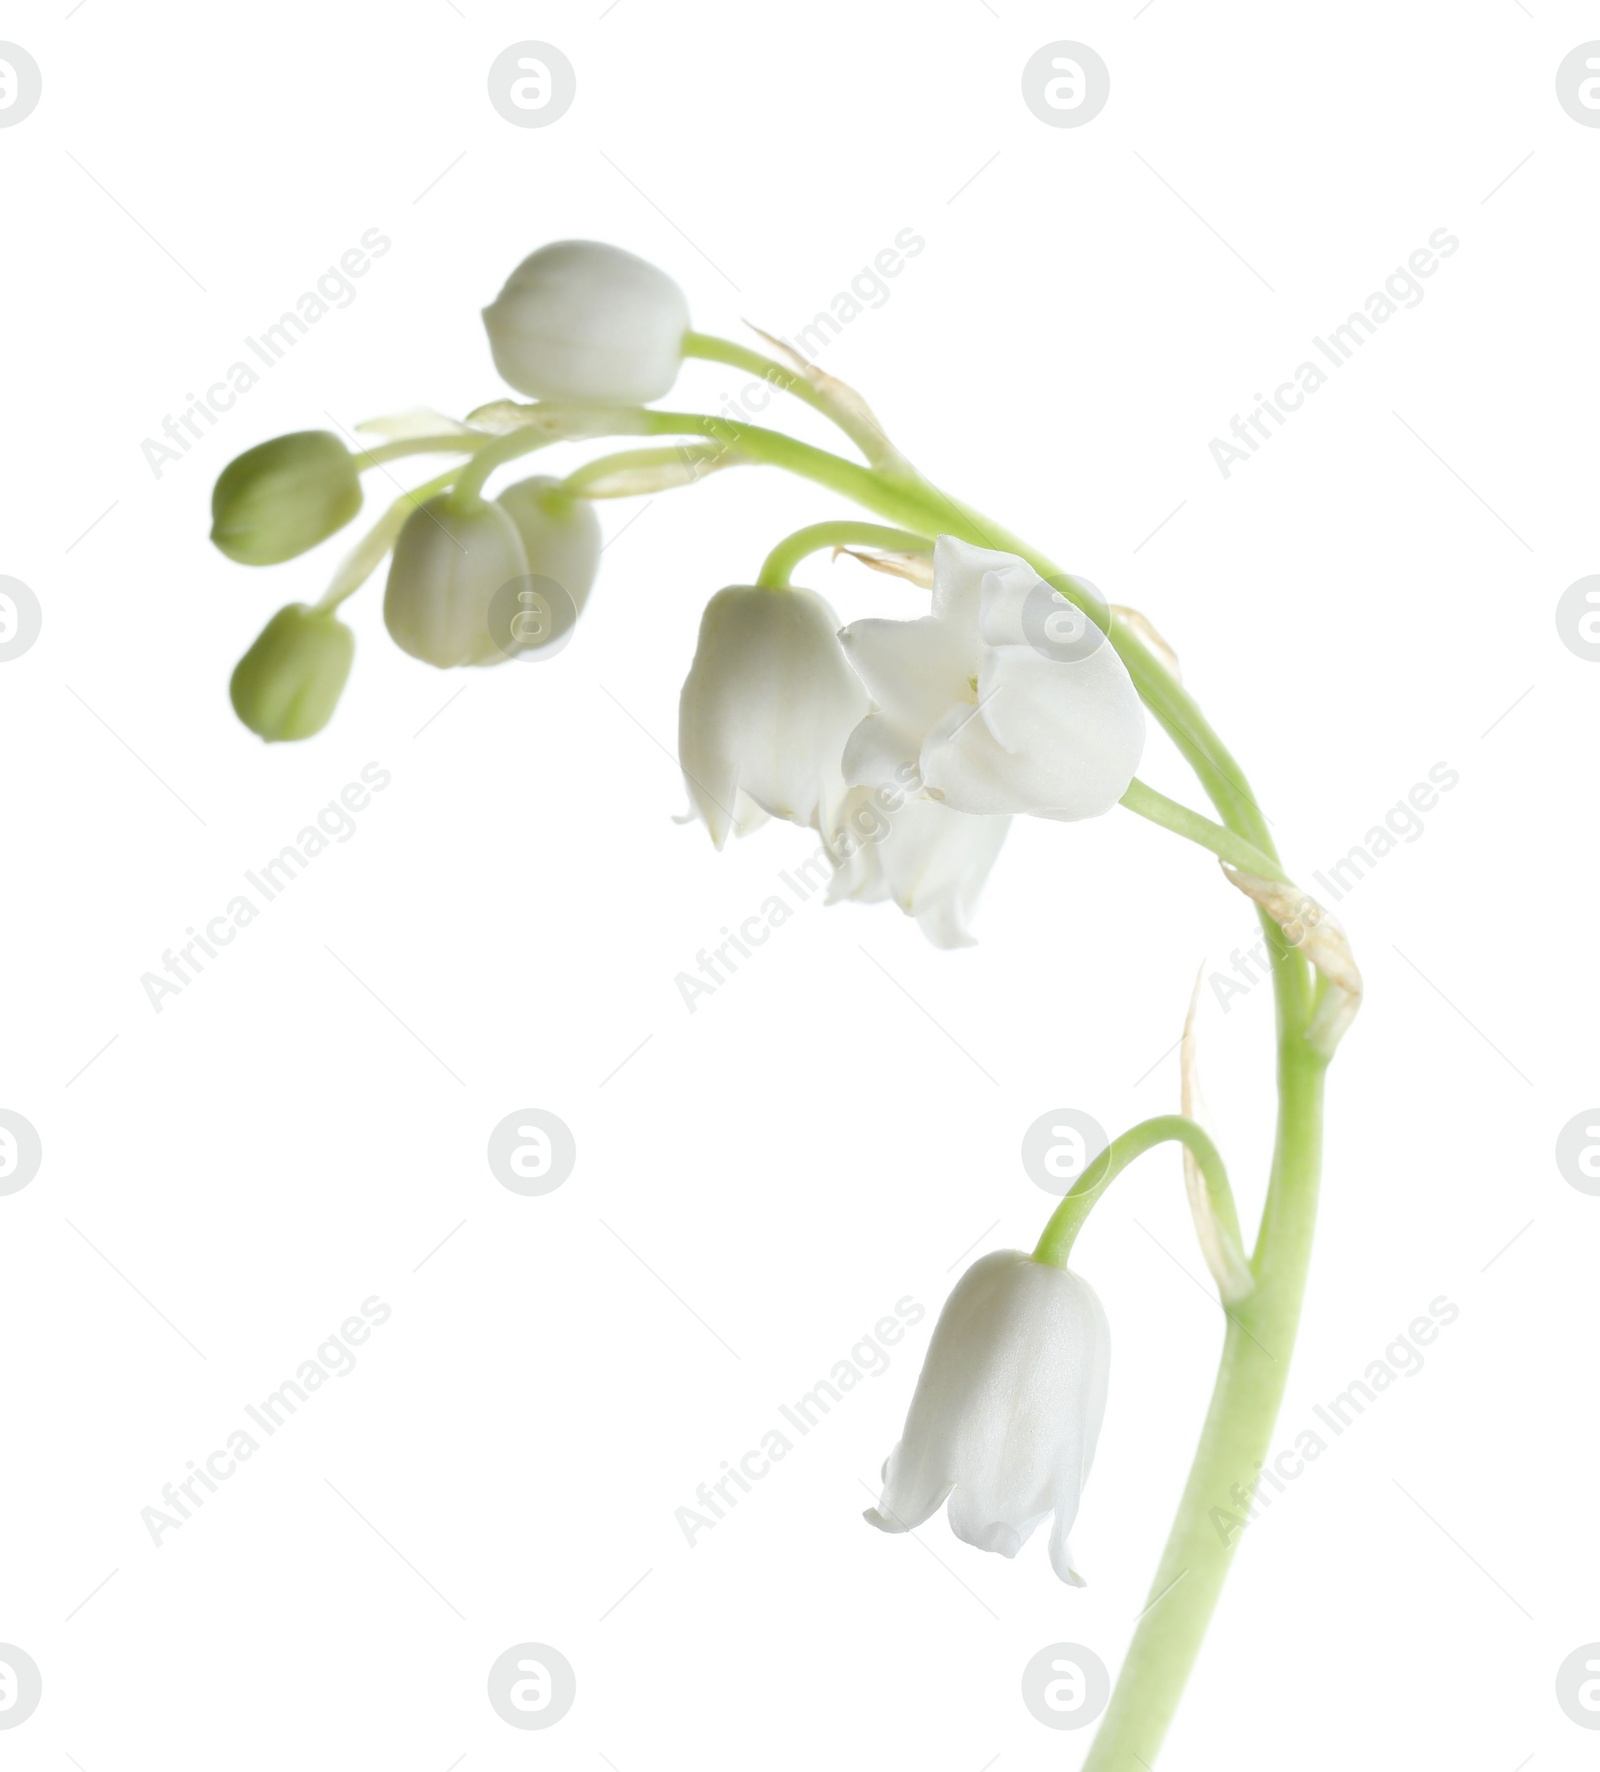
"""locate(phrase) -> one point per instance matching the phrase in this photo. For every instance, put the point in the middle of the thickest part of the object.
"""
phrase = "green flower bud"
(283, 497)
(288, 684)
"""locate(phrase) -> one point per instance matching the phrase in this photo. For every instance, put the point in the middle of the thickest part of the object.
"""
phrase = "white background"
(838, 1127)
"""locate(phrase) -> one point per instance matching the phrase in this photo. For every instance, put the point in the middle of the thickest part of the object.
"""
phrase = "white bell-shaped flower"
(765, 711)
(930, 861)
(448, 566)
(578, 320)
(1004, 699)
(1007, 1410)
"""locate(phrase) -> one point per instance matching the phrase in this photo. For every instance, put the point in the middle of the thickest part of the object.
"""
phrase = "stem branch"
(789, 552)
(1156, 807)
(1067, 1220)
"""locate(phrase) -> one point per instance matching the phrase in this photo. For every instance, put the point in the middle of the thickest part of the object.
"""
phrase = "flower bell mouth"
(1007, 1411)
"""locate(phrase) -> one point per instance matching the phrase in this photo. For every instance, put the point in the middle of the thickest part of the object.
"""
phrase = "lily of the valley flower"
(578, 320)
(1007, 1410)
(930, 861)
(448, 564)
(765, 711)
(979, 697)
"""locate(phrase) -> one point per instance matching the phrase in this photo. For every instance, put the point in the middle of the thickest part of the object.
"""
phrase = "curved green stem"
(889, 496)
(1172, 816)
(1055, 1244)
(711, 349)
(854, 420)
(789, 552)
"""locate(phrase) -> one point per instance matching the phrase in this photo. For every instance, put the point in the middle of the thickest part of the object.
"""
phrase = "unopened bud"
(561, 538)
(448, 564)
(289, 682)
(283, 497)
(582, 321)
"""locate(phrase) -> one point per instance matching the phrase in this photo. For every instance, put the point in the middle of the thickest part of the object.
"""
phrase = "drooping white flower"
(447, 567)
(1004, 699)
(930, 861)
(578, 320)
(1007, 1410)
(765, 711)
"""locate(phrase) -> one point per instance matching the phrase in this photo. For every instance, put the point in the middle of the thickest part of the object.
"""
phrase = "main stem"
(1234, 1443)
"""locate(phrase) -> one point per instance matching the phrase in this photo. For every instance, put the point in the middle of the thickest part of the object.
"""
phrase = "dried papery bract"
(1306, 925)
(915, 568)
(663, 471)
(1137, 622)
(1222, 1251)
(848, 409)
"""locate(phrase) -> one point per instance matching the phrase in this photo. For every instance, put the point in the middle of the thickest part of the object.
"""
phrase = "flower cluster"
(907, 746)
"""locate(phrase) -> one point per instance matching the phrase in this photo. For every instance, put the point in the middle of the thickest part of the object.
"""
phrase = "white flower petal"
(880, 754)
(1003, 597)
(932, 862)
(965, 767)
(959, 570)
(1075, 728)
(913, 670)
(1005, 723)
(1061, 1558)
(912, 1492)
